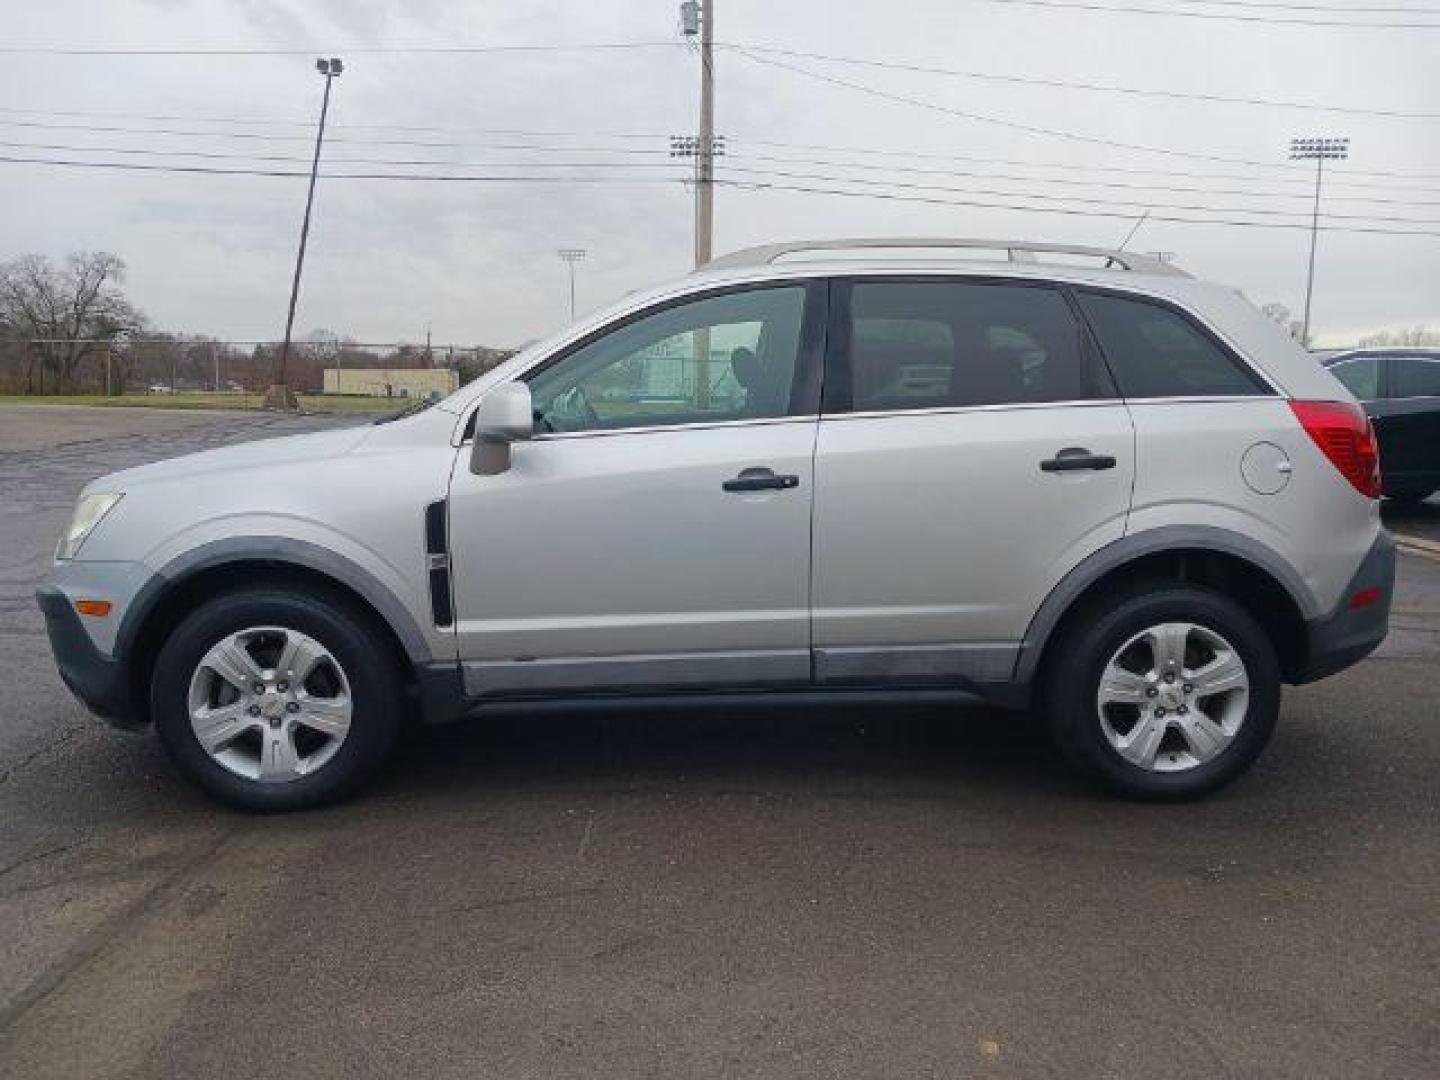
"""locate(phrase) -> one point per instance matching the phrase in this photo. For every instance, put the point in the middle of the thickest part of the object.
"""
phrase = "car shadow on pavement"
(715, 748)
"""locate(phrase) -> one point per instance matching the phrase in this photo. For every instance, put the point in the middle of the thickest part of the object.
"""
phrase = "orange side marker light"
(96, 608)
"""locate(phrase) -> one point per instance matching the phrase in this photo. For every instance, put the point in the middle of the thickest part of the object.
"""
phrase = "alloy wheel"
(270, 704)
(1173, 697)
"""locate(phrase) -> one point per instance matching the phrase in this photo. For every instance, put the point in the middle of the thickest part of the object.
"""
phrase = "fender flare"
(1152, 542)
(275, 549)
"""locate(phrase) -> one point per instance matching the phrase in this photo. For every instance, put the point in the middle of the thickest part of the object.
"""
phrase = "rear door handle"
(761, 480)
(1074, 459)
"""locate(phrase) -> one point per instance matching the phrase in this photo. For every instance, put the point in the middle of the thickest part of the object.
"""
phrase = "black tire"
(1085, 649)
(348, 634)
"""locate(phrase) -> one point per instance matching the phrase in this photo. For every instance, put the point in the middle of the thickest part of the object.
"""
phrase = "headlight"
(89, 512)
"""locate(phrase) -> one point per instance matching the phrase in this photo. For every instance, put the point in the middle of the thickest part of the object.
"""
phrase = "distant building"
(391, 382)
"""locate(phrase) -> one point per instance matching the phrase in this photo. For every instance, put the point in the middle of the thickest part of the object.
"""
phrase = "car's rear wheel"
(1169, 693)
(276, 699)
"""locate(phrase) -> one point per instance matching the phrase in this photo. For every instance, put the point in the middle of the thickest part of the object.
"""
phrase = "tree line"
(68, 328)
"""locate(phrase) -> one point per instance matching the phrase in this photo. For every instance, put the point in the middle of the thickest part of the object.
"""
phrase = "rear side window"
(1415, 376)
(939, 344)
(1361, 376)
(1154, 351)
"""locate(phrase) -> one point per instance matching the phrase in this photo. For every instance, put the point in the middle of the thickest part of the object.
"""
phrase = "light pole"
(571, 257)
(280, 396)
(1318, 151)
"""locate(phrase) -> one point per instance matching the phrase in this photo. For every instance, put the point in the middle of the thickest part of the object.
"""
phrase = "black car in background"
(1400, 389)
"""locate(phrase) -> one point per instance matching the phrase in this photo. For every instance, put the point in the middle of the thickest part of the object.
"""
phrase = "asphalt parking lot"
(859, 893)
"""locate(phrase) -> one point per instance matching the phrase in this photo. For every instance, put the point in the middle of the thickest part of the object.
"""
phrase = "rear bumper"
(96, 679)
(1348, 635)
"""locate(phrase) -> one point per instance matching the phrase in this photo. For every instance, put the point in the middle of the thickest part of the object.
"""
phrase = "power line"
(1127, 170)
(533, 148)
(755, 184)
(1125, 215)
(1068, 182)
(1016, 125)
(1342, 9)
(273, 121)
(1130, 205)
(256, 136)
(135, 166)
(764, 159)
(215, 155)
(869, 151)
(1061, 84)
(370, 50)
(1090, 6)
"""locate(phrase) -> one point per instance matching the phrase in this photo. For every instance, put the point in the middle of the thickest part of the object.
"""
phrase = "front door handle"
(1076, 458)
(761, 480)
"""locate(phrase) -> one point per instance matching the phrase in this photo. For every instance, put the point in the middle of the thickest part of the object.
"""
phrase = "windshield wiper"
(417, 406)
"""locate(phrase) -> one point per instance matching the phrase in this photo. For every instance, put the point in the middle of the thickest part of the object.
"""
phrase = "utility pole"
(698, 17)
(705, 157)
(571, 257)
(280, 396)
(1318, 151)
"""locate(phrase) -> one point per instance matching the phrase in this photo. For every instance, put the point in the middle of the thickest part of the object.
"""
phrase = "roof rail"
(1017, 251)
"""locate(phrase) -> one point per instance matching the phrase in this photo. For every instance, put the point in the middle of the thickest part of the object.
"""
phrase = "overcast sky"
(476, 260)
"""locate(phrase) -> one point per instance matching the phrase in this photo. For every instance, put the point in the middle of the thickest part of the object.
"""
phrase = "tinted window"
(1361, 376)
(1156, 352)
(926, 344)
(729, 357)
(1415, 376)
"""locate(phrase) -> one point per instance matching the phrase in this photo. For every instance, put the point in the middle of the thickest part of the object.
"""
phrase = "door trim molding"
(946, 663)
(637, 671)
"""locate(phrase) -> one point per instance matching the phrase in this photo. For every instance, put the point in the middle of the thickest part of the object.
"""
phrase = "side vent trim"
(437, 558)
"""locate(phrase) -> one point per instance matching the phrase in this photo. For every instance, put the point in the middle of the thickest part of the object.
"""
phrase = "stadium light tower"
(571, 257)
(280, 396)
(1318, 151)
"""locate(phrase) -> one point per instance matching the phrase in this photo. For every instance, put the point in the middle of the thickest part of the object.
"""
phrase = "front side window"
(1415, 376)
(939, 344)
(1155, 351)
(1361, 376)
(726, 357)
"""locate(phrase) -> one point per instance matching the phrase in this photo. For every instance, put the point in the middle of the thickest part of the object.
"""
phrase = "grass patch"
(311, 403)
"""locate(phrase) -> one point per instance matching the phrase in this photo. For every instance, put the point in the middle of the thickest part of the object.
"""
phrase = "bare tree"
(1416, 335)
(66, 312)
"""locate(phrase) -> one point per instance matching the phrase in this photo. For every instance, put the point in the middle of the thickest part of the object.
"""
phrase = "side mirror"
(506, 415)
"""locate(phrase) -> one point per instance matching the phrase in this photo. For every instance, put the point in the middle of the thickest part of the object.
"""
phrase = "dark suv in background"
(1400, 390)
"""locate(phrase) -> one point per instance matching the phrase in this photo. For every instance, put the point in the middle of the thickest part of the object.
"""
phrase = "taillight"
(1343, 433)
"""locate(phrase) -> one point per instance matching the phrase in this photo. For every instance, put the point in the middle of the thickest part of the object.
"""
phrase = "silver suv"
(849, 470)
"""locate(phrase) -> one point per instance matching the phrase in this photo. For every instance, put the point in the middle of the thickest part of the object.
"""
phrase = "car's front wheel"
(276, 699)
(1170, 693)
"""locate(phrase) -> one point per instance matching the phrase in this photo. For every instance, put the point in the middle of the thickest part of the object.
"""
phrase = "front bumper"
(1348, 635)
(100, 682)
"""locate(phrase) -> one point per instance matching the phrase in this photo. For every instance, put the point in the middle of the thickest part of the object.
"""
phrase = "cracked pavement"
(845, 892)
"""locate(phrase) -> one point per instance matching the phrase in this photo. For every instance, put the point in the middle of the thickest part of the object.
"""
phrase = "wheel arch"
(237, 561)
(1242, 568)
